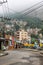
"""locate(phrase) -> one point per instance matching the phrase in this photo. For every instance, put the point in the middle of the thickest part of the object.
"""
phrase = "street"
(21, 57)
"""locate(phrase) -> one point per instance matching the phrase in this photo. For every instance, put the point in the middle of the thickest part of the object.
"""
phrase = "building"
(21, 35)
(9, 41)
(33, 31)
(2, 41)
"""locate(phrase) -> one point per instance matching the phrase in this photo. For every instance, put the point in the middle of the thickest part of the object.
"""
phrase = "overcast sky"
(18, 5)
(21, 4)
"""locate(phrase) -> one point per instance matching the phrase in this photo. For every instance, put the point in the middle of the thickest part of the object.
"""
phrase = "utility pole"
(2, 2)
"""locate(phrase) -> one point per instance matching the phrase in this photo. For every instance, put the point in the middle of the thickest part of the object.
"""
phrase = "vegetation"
(41, 31)
(32, 22)
(34, 36)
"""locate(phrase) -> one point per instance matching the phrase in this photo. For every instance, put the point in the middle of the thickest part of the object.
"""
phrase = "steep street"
(22, 57)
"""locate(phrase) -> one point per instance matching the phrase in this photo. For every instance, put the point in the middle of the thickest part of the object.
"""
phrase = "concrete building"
(21, 35)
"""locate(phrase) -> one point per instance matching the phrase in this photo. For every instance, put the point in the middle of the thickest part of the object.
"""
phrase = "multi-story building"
(21, 35)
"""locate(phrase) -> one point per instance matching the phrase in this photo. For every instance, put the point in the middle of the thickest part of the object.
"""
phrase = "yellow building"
(22, 35)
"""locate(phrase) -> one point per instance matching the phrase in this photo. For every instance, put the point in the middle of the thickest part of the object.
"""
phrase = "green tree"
(34, 36)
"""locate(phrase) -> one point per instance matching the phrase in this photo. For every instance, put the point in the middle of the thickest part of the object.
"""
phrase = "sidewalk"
(41, 53)
(3, 53)
(25, 49)
(34, 50)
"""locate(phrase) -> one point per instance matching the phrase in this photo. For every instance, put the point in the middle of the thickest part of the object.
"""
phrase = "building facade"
(21, 35)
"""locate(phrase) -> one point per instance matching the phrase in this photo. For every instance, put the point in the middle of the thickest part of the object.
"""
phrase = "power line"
(2, 2)
(3, 11)
(28, 10)
(7, 9)
(12, 10)
(5, 17)
(31, 7)
(33, 10)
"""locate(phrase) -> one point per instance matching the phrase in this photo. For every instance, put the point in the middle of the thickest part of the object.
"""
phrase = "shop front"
(2, 42)
(9, 41)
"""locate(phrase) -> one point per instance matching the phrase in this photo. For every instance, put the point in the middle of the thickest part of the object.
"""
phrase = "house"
(22, 35)
(2, 41)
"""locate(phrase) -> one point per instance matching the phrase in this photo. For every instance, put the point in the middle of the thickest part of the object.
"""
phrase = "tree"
(32, 40)
(34, 36)
(41, 31)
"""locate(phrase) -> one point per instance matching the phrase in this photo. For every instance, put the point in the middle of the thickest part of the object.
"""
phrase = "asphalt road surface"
(22, 57)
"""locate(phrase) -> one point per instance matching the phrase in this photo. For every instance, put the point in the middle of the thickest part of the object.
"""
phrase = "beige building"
(21, 35)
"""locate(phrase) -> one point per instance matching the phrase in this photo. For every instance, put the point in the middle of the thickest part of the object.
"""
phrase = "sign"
(12, 40)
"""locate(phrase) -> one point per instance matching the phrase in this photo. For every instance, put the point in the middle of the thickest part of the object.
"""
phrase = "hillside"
(32, 22)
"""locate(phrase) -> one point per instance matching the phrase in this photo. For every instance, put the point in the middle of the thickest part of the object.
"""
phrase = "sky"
(17, 5)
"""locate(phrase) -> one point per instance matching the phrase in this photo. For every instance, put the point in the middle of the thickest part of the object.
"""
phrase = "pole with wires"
(3, 27)
(2, 2)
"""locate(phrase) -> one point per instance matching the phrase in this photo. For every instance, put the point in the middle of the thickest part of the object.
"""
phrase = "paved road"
(21, 57)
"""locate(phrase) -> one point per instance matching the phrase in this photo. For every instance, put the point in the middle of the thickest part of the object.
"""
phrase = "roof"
(2, 39)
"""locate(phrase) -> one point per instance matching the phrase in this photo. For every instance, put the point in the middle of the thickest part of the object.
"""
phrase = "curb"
(34, 50)
(41, 53)
(3, 54)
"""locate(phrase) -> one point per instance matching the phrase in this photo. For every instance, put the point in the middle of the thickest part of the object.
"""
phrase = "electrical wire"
(28, 10)
(8, 9)
(3, 11)
(3, 2)
(33, 10)
(31, 7)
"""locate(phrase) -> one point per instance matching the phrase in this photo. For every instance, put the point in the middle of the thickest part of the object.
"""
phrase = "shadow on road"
(41, 60)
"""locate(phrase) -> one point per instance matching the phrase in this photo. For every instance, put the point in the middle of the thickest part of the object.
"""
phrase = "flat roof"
(2, 39)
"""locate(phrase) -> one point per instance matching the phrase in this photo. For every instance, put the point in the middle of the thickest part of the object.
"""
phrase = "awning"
(2, 39)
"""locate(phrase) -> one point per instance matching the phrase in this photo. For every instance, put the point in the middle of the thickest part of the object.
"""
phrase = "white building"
(22, 35)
